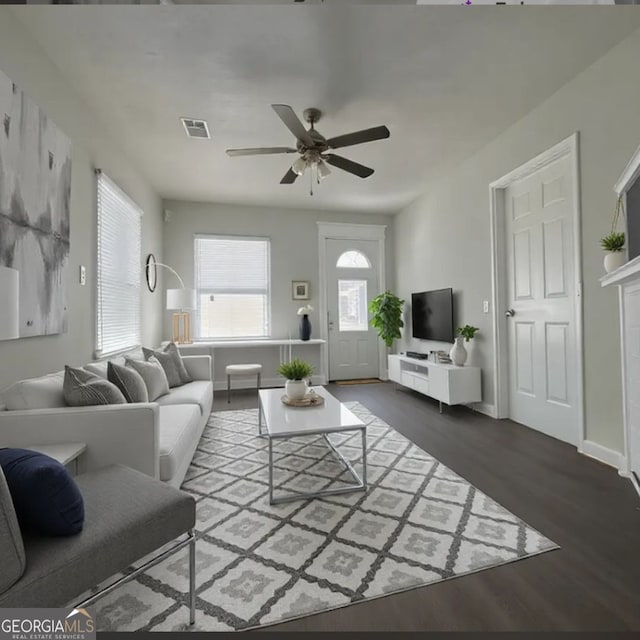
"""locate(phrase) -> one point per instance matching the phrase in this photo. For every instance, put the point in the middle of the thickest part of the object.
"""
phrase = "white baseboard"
(250, 383)
(603, 454)
(634, 482)
(485, 408)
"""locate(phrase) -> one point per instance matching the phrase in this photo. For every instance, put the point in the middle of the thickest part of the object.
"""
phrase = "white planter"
(613, 260)
(458, 353)
(295, 389)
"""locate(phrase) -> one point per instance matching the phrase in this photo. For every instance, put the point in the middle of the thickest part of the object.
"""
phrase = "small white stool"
(241, 370)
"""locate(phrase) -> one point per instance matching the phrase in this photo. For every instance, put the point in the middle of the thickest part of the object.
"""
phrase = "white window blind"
(232, 281)
(118, 270)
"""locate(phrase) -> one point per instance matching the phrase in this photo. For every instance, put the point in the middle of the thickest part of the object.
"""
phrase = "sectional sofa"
(157, 438)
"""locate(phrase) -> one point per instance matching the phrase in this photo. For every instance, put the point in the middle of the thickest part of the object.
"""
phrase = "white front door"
(352, 281)
(541, 293)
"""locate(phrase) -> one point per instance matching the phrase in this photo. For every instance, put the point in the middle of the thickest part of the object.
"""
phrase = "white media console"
(444, 382)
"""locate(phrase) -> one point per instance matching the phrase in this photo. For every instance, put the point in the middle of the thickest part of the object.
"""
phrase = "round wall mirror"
(151, 272)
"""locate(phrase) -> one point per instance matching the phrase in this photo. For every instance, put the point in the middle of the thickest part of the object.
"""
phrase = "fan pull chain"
(311, 180)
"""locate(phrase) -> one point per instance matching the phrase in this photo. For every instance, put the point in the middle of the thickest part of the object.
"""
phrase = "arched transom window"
(353, 260)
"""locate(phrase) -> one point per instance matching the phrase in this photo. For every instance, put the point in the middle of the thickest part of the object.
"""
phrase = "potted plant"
(296, 372)
(613, 243)
(458, 353)
(386, 319)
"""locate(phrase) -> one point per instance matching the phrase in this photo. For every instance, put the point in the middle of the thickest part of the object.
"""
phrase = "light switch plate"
(485, 306)
(83, 275)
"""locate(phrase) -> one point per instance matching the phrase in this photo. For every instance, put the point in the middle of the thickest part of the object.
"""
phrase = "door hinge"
(579, 289)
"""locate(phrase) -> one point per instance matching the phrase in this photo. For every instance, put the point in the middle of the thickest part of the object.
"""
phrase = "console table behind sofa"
(269, 352)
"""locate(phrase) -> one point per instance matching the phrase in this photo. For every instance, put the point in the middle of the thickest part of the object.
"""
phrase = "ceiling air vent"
(196, 128)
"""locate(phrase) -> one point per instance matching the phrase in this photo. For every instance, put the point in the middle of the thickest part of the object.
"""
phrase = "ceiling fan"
(314, 148)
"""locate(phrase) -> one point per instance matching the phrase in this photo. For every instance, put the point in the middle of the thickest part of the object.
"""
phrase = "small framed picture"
(300, 290)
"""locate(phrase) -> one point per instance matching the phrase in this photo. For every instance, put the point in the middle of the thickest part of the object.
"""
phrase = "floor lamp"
(180, 301)
(9, 304)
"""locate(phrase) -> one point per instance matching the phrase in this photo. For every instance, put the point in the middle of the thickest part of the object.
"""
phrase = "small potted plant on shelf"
(296, 372)
(458, 353)
(613, 243)
(386, 319)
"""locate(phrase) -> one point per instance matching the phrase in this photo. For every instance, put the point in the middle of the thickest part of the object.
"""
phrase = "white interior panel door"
(541, 292)
(352, 281)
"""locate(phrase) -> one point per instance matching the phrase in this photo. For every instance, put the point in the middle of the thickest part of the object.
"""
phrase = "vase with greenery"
(458, 353)
(296, 372)
(613, 243)
(305, 323)
(386, 318)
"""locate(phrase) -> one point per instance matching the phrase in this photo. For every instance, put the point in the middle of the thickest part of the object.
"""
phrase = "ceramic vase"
(458, 353)
(613, 260)
(305, 327)
(295, 389)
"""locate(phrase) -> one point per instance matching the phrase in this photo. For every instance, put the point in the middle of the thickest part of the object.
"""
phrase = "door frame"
(347, 231)
(569, 147)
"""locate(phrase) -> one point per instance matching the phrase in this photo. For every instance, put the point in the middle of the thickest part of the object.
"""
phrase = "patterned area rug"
(417, 524)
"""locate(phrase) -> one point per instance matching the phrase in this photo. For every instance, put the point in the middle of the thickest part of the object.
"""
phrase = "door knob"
(509, 313)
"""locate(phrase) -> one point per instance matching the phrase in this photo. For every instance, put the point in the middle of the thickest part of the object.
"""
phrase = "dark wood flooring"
(591, 583)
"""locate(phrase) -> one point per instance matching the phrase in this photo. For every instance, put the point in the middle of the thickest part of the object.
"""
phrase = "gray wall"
(23, 61)
(443, 239)
(294, 249)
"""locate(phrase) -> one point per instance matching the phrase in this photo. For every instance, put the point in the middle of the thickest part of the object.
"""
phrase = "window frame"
(228, 236)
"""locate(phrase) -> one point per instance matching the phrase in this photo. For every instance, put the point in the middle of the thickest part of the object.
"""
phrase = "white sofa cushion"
(179, 433)
(197, 392)
(36, 393)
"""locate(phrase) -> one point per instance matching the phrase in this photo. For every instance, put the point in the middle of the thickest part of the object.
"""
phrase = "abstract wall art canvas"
(35, 190)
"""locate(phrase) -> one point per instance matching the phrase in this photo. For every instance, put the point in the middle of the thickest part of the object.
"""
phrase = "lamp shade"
(9, 303)
(181, 299)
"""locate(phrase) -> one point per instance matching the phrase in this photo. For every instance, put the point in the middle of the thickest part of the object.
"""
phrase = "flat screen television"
(432, 315)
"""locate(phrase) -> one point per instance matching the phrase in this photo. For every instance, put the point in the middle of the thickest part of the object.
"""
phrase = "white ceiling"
(445, 80)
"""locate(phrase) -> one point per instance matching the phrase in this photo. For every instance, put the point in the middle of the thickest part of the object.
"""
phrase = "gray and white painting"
(35, 189)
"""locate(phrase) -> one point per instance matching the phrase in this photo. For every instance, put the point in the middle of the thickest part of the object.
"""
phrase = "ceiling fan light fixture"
(323, 170)
(299, 166)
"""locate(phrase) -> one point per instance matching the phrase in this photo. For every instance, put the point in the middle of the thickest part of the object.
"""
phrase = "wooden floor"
(591, 583)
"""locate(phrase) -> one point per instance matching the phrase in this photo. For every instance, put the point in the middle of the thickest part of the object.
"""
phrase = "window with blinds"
(232, 281)
(118, 270)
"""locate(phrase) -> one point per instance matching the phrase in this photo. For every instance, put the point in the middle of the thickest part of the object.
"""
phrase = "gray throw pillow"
(83, 389)
(171, 362)
(129, 381)
(153, 375)
(173, 350)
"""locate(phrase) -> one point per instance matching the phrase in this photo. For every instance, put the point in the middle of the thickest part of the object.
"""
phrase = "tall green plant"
(386, 319)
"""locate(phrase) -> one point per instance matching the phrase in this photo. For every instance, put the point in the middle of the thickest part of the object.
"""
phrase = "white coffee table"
(282, 421)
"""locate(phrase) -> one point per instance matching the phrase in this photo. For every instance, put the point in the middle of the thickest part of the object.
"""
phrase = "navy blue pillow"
(45, 496)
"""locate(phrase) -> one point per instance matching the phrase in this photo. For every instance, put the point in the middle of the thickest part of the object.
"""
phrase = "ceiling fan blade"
(348, 165)
(259, 151)
(358, 137)
(289, 177)
(292, 122)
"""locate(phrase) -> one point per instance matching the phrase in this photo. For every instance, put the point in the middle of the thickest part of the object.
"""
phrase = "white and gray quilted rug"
(418, 523)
